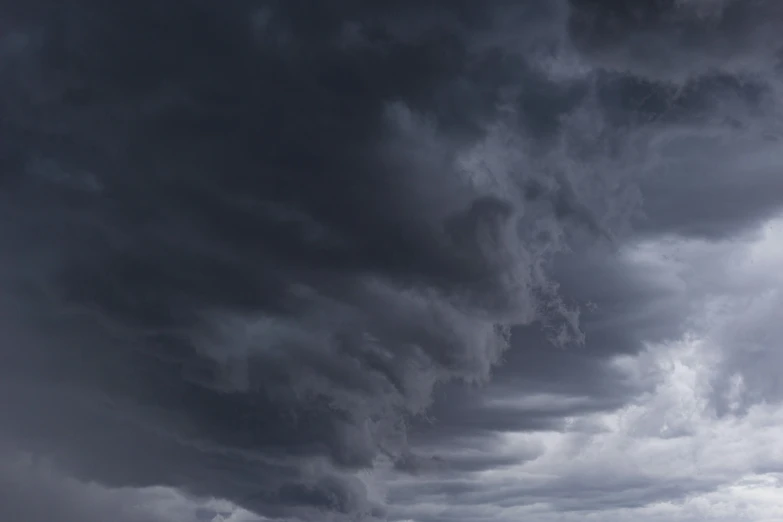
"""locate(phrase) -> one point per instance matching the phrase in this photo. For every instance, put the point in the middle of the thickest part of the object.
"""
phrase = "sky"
(366, 261)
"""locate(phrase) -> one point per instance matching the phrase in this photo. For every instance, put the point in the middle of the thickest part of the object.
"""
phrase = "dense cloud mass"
(374, 260)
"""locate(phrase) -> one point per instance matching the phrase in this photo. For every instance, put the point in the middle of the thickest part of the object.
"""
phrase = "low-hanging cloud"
(249, 244)
(251, 251)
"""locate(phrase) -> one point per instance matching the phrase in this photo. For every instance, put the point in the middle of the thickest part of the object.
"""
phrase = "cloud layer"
(359, 260)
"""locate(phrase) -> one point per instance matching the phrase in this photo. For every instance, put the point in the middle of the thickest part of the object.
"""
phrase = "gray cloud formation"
(32, 491)
(243, 251)
(249, 250)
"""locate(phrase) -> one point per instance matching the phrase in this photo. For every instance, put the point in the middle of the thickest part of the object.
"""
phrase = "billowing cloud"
(302, 256)
(700, 443)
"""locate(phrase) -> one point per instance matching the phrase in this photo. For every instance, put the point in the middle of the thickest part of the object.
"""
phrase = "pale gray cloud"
(697, 444)
(31, 490)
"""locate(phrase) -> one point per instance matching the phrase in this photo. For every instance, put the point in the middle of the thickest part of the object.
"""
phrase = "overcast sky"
(391, 260)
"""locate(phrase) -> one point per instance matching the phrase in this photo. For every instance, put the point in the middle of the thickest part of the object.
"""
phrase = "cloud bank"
(389, 260)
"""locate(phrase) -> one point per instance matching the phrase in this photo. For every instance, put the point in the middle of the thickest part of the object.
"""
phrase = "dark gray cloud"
(250, 250)
(585, 492)
(682, 65)
(677, 39)
(629, 306)
(241, 251)
(32, 491)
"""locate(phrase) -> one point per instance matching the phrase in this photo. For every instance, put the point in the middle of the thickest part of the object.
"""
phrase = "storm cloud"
(384, 260)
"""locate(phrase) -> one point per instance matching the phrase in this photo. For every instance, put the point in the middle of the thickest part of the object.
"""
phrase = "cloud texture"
(386, 260)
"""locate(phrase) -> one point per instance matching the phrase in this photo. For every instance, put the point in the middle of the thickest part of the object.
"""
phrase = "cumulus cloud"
(301, 256)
